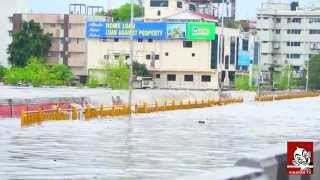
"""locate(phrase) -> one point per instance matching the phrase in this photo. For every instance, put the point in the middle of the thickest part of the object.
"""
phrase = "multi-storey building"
(174, 63)
(289, 35)
(68, 39)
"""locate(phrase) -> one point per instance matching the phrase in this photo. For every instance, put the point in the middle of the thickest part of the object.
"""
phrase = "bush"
(60, 75)
(314, 72)
(242, 82)
(3, 71)
(93, 82)
(38, 74)
(117, 75)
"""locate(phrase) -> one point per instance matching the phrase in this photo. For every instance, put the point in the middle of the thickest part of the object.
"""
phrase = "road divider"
(286, 96)
(29, 118)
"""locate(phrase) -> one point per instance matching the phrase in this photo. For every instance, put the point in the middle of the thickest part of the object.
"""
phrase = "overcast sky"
(246, 9)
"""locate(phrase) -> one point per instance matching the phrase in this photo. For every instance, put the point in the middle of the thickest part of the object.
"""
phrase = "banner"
(151, 30)
(201, 31)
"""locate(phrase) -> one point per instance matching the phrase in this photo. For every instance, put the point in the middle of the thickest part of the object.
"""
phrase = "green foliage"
(123, 12)
(15, 76)
(93, 82)
(3, 71)
(140, 69)
(281, 79)
(242, 82)
(117, 75)
(60, 75)
(38, 74)
(314, 72)
(29, 42)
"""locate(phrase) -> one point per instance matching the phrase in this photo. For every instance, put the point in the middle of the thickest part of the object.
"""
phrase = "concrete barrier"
(232, 173)
(274, 164)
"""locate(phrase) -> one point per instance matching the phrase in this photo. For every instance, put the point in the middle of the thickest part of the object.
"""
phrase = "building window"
(277, 20)
(166, 54)
(187, 44)
(294, 20)
(158, 76)
(157, 57)
(188, 78)
(278, 31)
(159, 13)
(171, 77)
(148, 56)
(52, 25)
(314, 20)
(140, 40)
(179, 4)
(116, 39)
(265, 18)
(193, 54)
(245, 44)
(206, 78)
(293, 31)
(265, 29)
(314, 31)
(159, 3)
(150, 40)
(10, 33)
(295, 44)
(293, 56)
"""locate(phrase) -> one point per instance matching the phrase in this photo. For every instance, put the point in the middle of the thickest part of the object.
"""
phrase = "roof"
(191, 16)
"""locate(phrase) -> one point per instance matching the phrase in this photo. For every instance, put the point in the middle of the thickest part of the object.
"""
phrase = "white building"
(179, 63)
(289, 34)
(7, 8)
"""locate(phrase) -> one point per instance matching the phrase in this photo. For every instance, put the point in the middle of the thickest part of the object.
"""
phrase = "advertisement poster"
(152, 30)
(201, 31)
(177, 31)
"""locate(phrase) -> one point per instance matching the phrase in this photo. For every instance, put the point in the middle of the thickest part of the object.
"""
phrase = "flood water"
(153, 146)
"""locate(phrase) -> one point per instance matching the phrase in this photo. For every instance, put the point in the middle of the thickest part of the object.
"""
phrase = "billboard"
(244, 58)
(142, 30)
(151, 30)
(95, 29)
(177, 30)
(201, 31)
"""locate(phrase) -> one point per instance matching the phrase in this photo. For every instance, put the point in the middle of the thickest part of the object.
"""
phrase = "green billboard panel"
(201, 31)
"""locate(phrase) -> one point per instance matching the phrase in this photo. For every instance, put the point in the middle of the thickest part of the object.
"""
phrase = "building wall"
(68, 39)
(174, 58)
(273, 27)
(151, 13)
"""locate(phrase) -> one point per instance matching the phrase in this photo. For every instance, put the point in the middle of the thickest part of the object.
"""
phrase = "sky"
(246, 9)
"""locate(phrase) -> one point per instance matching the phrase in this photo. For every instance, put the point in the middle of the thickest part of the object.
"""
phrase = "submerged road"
(161, 145)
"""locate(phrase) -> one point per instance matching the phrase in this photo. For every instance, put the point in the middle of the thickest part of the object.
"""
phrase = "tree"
(28, 42)
(140, 69)
(314, 72)
(37, 73)
(117, 75)
(123, 12)
(60, 74)
(3, 71)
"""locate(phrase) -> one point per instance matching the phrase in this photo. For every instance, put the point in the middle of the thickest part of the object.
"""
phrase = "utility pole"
(307, 78)
(131, 60)
(221, 52)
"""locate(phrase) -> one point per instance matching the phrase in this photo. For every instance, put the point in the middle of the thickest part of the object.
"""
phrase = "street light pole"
(131, 60)
(307, 78)
(221, 52)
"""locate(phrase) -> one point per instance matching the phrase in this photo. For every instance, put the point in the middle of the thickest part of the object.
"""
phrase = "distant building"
(289, 34)
(68, 35)
(176, 63)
